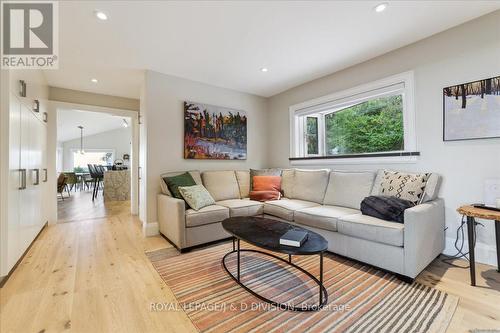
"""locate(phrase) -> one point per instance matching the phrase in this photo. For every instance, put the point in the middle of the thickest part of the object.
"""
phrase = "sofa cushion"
(348, 189)
(285, 208)
(243, 178)
(287, 182)
(222, 185)
(242, 207)
(432, 188)
(372, 229)
(206, 215)
(164, 188)
(322, 217)
(310, 185)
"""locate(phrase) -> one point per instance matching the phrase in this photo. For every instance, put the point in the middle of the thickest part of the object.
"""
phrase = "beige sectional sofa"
(323, 201)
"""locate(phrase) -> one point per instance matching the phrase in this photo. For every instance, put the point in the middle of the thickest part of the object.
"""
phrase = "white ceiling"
(225, 43)
(92, 122)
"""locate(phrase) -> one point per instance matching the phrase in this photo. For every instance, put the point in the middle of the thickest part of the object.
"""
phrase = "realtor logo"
(30, 34)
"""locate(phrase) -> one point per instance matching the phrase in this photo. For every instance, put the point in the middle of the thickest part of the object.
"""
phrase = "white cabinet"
(27, 177)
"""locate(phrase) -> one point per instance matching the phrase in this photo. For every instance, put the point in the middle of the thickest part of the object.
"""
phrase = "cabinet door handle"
(45, 117)
(23, 179)
(37, 181)
(45, 175)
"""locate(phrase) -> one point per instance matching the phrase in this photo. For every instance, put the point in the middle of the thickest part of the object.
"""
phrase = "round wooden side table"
(472, 213)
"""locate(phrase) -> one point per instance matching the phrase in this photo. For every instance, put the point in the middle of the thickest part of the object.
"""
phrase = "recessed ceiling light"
(381, 7)
(101, 15)
(93, 80)
(264, 69)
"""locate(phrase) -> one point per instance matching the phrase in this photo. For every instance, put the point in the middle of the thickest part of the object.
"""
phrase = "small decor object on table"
(293, 238)
(472, 110)
(477, 212)
(214, 132)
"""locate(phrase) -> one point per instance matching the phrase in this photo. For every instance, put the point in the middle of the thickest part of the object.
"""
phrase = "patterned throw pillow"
(174, 182)
(405, 186)
(196, 196)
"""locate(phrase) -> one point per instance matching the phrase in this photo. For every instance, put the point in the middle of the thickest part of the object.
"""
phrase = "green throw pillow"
(174, 182)
(196, 196)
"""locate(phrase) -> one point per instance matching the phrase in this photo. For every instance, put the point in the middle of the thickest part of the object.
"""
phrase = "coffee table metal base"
(323, 294)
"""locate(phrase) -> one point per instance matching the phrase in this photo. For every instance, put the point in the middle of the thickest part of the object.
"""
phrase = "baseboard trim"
(484, 253)
(150, 229)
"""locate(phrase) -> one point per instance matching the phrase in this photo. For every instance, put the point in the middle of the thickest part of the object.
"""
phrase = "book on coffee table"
(293, 238)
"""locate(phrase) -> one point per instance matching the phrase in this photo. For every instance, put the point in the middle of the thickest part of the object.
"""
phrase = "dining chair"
(94, 174)
(71, 180)
(61, 185)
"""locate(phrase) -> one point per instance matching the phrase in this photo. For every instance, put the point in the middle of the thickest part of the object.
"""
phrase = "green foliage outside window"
(312, 135)
(372, 126)
(78, 169)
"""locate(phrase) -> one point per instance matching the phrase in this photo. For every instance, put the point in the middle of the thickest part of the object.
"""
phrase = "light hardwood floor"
(92, 275)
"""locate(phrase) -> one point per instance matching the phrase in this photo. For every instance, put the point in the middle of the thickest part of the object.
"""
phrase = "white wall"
(118, 140)
(462, 54)
(162, 111)
(59, 157)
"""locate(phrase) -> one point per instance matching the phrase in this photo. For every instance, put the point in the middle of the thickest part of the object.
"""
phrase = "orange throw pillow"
(267, 183)
(264, 195)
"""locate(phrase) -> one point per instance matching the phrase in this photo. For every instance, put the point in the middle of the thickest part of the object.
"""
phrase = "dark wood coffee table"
(266, 233)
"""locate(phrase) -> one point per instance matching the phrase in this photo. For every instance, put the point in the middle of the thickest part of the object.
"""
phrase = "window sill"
(371, 158)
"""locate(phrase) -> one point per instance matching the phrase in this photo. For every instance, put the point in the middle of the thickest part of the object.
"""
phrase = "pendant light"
(81, 140)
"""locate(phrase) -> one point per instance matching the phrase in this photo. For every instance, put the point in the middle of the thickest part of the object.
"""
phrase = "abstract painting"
(472, 110)
(214, 132)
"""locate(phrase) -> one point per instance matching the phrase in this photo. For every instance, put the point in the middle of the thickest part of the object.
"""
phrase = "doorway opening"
(95, 156)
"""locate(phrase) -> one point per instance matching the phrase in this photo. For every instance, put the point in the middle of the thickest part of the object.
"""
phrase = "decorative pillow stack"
(266, 188)
(184, 187)
(263, 172)
(405, 186)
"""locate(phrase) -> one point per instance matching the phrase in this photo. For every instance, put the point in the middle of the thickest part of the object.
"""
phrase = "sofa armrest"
(423, 235)
(171, 219)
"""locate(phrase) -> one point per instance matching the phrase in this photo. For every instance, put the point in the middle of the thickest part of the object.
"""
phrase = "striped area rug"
(361, 298)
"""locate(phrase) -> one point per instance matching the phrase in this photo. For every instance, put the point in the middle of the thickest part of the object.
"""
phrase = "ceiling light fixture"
(101, 15)
(381, 7)
(81, 151)
(94, 80)
(264, 69)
